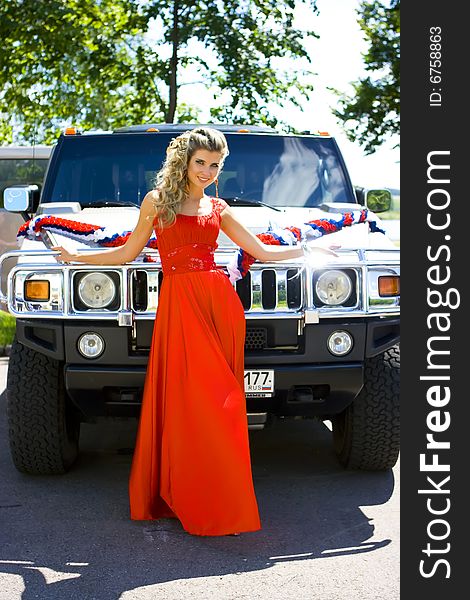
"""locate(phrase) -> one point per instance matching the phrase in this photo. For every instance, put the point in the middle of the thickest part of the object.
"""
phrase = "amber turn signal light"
(389, 285)
(37, 290)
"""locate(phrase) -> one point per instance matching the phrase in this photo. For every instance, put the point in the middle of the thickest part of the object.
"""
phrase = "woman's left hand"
(310, 249)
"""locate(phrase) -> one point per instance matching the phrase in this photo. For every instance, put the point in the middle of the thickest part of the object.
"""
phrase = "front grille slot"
(243, 287)
(139, 290)
(145, 290)
(268, 284)
(294, 289)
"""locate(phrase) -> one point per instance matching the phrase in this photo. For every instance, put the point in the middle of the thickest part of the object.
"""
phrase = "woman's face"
(203, 168)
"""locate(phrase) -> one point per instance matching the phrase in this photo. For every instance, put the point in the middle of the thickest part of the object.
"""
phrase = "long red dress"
(192, 457)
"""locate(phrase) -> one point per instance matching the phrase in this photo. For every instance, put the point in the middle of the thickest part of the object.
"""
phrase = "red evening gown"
(192, 459)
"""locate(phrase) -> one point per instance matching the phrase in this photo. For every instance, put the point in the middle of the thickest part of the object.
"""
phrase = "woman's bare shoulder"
(148, 203)
(151, 196)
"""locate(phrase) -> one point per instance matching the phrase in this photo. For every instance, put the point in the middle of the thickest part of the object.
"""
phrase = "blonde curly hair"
(171, 182)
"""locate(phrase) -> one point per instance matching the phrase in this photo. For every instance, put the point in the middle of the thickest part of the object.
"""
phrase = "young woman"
(191, 459)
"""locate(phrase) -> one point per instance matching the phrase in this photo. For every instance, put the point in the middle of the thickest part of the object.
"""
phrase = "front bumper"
(306, 390)
(309, 381)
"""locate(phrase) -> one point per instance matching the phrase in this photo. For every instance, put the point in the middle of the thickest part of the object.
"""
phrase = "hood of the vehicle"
(114, 219)
(257, 219)
(260, 219)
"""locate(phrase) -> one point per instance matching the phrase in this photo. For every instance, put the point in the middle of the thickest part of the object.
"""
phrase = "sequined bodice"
(189, 244)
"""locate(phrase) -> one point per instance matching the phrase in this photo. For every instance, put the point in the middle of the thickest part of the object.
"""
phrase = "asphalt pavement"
(327, 533)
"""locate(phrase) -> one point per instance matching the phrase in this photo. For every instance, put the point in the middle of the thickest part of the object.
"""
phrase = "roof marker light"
(153, 129)
(71, 131)
(243, 131)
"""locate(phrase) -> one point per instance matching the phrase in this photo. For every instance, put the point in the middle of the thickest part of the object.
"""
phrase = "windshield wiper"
(245, 202)
(102, 203)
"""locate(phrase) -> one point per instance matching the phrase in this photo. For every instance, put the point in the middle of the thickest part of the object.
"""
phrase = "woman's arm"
(122, 254)
(243, 237)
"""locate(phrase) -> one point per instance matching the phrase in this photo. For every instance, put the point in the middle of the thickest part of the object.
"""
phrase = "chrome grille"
(261, 290)
(270, 289)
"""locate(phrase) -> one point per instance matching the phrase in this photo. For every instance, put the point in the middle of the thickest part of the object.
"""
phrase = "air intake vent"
(256, 338)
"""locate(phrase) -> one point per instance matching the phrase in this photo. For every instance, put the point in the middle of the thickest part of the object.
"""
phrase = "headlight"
(96, 290)
(333, 287)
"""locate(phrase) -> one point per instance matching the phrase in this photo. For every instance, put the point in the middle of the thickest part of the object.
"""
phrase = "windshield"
(279, 170)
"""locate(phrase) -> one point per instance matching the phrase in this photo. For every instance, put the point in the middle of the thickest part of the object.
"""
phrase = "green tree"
(101, 65)
(70, 60)
(372, 114)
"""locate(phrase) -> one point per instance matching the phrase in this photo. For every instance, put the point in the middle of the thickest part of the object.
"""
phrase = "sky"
(336, 58)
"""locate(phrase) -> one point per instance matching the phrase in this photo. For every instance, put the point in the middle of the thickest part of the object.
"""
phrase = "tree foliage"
(371, 114)
(101, 64)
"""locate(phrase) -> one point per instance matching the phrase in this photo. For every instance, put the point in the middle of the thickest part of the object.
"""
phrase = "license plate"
(258, 383)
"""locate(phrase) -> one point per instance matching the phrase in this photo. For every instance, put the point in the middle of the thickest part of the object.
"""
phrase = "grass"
(7, 328)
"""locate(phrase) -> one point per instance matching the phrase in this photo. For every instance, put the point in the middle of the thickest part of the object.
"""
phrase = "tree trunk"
(170, 116)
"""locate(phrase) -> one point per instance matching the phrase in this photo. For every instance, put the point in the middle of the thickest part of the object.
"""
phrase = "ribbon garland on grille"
(290, 236)
(99, 236)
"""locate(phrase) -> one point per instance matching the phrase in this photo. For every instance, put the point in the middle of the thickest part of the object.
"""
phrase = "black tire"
(366, 435)
(43, 427)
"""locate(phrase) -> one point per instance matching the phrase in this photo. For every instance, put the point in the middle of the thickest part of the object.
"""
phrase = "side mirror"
(378, 200)
(360, 194)
(21, 198)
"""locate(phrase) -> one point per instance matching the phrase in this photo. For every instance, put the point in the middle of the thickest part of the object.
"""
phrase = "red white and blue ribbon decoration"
(290, 236)
(91, 235)
(98, 236)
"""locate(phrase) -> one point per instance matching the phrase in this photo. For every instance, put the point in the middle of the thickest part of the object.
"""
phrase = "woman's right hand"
(65, 256)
